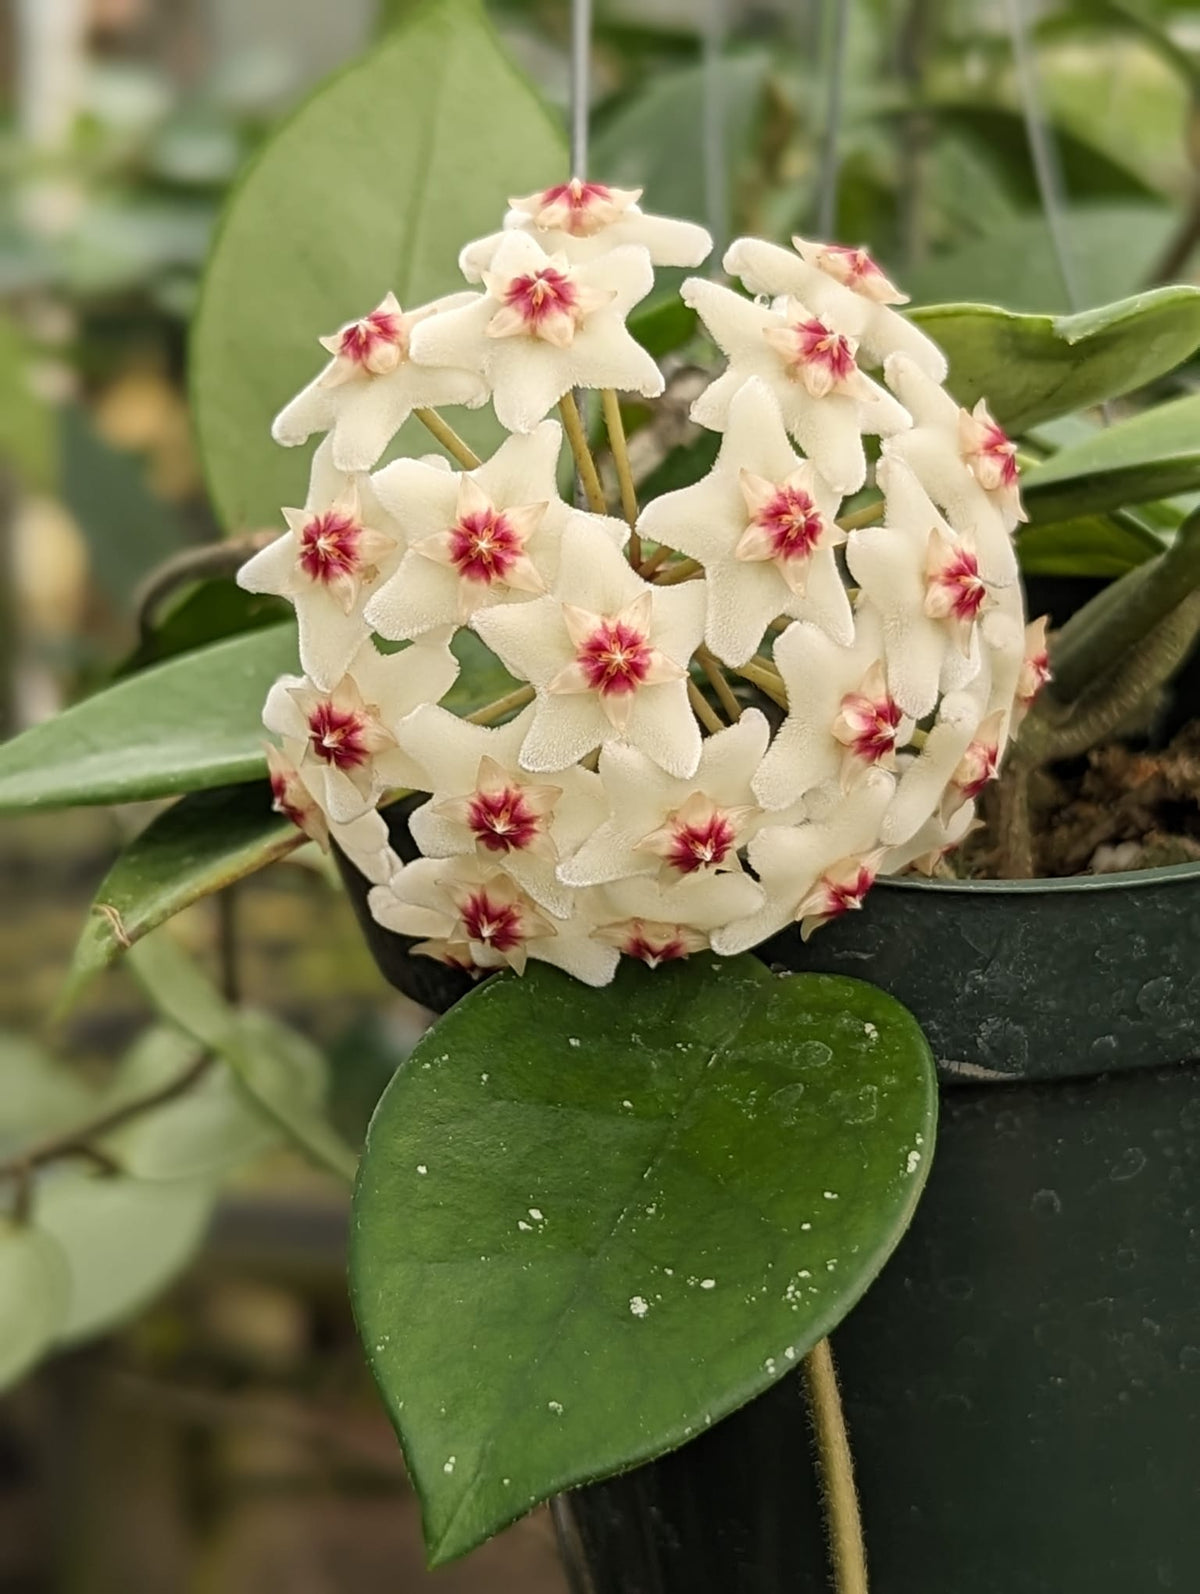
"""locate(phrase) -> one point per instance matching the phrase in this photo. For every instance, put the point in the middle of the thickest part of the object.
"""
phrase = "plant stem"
(766, 678)
(716, 679)
(193, 564)
(843, 1524)
(584, 463)
(491, 712)
(1014, 836)
(659, 557)
(448, 438)
(620, 454)
(869, 515)
(684, 571)
(704, 711)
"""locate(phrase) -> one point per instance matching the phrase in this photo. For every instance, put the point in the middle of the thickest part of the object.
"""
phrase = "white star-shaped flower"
(608, 656)
(662, 826)
(656, 924)
(484, 804)
(841, 718)
(816, 869)
(476, 916)
(825, 400)
(487, 536)
(343, 739)
(335, 552)
(365, 841)
(924, 779)
(762, 523)
(931, 843)
(926, 583)
(964, 462)
(845, 288)
(371, 385)
(544, 327)
(582, 220)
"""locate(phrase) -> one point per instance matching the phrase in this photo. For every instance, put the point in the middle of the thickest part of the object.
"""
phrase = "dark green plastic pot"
(1022, 1382)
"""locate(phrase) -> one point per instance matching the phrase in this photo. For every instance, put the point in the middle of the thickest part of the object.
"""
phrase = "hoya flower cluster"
(734, 708)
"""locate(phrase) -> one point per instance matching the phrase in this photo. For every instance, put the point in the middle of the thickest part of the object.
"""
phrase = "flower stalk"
(448, 438)
(572, 421)
(620, 453)
(839, 1497)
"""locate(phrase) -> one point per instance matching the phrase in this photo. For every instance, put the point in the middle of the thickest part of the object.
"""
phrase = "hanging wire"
(834, 29)
(580, 86)
(716, 163)
(1042, 151)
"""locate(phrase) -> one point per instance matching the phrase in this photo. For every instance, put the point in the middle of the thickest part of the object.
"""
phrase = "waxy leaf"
(191, 723)
(1033, 367)
(201, 844)
(374, 185)
(1152, 455)
(1092, 545)
(35, 1292)
(589, 1223)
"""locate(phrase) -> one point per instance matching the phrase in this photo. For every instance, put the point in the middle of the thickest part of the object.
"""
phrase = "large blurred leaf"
(591, 1222)
(1152, 455)
(375, 184)
(1033, 367)
(1093, 545)
(35, 1291)
(37, 1094)
(1113, 248)
(201, 844)
(191, 723)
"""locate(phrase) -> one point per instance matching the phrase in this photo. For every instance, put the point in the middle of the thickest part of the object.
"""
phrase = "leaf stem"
(704, 711)
(716, 679)
(490, 712)
(620, 453)
(843, 1523)
(448, 438)
(768, 679)
(659, 557)
(868, 515)
(683, 571)
(584, 463)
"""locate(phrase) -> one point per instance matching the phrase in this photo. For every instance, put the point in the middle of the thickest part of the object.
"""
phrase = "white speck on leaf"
(806, 1225)
(626, 1104)
(804, 1273)
(871, 1032)
(421, 1168)
(914, 1157)
(830, 1195)
(448, 1464)
(790, 1353)
(708, 1284)
(483, 1078)
(536, 1215)
(555, 1406)
(573, 1040)
(526, 1228)
(639, 1305)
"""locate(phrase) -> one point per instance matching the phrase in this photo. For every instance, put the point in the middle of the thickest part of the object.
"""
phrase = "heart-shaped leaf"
(591, 1222)
(374, 185)
(1152, 455)
(201, 844)
(1033, 367)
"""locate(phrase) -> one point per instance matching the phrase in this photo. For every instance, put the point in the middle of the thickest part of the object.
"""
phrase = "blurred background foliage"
(1040, 156)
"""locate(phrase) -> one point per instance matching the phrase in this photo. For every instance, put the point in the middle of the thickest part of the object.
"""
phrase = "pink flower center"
(329, 546)
(1035, 672)
(502, 821)
(615, 659)
(872, 724)
(496, 924)
(841, 896)
(980, 764)
(793, 523)
(998, 455)
(815, 345)
(580, 198)
(484, 546)
(961, 585)
(364, 340)
(700, 846)
(541, 295)
(652, 946)
(337, 736)
(854, 265)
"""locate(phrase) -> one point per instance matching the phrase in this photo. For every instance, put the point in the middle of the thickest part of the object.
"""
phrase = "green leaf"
(281, 1073)
(1152, 455)
(207, 612)
(124, 1241)
(375, 184)
(1114, 248)
(38, 1096)
(200, 845)
(664, 327)
(1092, 545)
(35, 1290)
(28, 441)
(590, 1223)
(207, 1132)
(191, 723)
(1033, 367)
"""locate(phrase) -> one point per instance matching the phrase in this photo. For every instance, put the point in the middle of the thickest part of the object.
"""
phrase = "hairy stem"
(620, 454)
(448, 438)
(716, 679)
(491, 712)
(835, 1465)
(584, 463)
(1014, 835)
(703, 709)
(212, 559)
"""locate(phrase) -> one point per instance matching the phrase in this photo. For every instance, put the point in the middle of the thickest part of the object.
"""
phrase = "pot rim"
(1165, 874)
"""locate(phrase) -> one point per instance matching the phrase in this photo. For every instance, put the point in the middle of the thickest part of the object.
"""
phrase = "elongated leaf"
(200, 845)
(374, 185)
(590, 1223)
(1033, 367)
(1152, 455)
(280, 1072)
(35, 1292)
(192, 723)
(1093, 545)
